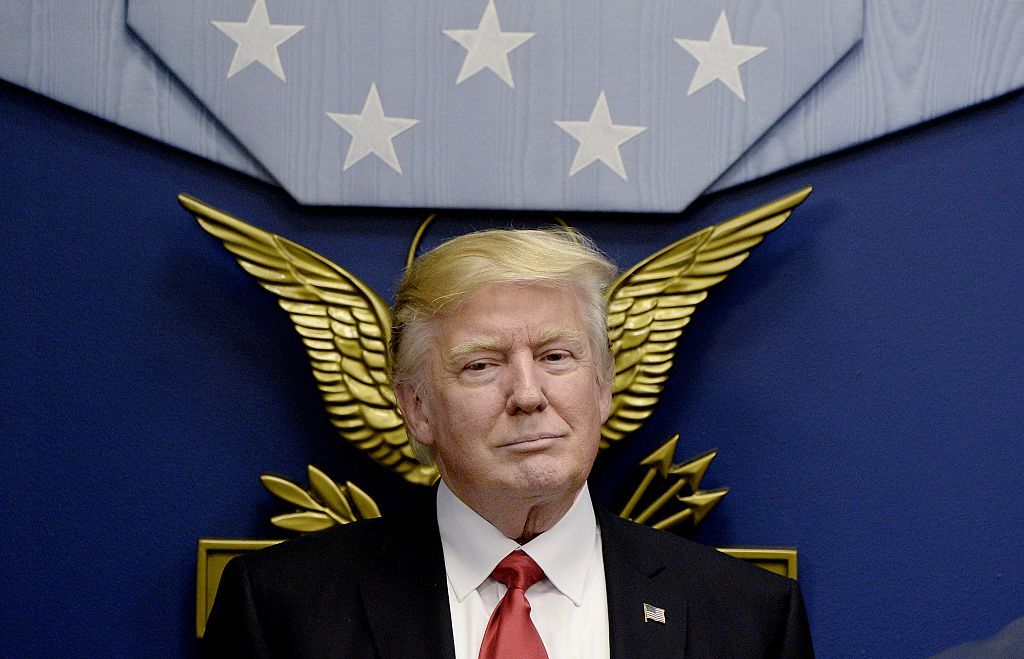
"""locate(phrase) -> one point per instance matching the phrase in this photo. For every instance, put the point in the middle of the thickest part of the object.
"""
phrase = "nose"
(526, 389)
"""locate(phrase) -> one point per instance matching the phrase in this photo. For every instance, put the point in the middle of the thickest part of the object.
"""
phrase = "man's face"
(512, 405)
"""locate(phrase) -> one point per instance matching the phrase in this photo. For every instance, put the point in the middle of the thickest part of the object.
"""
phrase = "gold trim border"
(780, 560)
(214, 553)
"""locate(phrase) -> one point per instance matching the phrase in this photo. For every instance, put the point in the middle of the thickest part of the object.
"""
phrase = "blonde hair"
(440, 281)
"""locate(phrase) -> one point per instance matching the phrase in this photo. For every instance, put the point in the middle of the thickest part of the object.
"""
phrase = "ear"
(605, 400)
(417, 422)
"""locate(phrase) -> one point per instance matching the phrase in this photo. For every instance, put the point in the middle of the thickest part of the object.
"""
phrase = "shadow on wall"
(1007, 644)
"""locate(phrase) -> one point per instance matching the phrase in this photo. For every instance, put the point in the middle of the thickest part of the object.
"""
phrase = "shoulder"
(330, 543)
(338, 558)
(733, 608)
(292, 598)
(309, 596)
(704, 569)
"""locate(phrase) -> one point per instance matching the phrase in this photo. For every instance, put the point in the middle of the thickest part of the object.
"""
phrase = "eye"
(476, 366)
(557, 356)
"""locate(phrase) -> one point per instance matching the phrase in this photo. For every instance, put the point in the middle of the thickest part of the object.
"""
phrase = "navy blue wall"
(860, 376)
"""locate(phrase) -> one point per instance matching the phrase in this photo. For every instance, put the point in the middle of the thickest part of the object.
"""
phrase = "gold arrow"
(657, 504)
(698, 505)
(660, 461)
(693, 470)
(690, 473)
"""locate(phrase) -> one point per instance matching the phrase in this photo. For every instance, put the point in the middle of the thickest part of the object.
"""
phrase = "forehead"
(513, 311)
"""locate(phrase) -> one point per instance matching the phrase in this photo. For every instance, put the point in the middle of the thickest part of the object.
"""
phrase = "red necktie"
(510, 632)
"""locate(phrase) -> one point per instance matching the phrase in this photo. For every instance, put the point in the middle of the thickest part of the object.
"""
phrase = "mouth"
(535, 442)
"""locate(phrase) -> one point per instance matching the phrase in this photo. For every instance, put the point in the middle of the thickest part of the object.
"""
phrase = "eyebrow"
(575, 337)
(558, 334)
(460, 351)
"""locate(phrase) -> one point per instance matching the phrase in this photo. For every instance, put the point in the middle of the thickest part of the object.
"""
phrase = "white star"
(719, 58)
(488, 47)
(257, 40)
(372, 132)
(599, 139)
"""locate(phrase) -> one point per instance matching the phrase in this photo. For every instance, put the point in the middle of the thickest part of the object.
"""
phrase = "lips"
(531, 442)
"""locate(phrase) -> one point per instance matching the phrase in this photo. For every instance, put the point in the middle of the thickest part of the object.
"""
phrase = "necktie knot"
(518, 570)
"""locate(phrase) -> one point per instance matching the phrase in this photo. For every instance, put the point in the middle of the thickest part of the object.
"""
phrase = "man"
(503, 374)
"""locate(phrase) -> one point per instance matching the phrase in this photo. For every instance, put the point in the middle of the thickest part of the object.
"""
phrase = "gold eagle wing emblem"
(651, 303)
(345, 327)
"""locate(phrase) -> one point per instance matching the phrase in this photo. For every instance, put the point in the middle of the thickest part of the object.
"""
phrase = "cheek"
(477, 406)
(464, 423)
(595, 403)
(459, 412)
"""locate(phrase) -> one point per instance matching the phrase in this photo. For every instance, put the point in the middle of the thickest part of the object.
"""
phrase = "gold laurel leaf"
(289, 491)
(306, 522)
(330, 493)
(366, 506)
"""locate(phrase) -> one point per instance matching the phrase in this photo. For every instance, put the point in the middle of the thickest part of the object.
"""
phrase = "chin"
(542, 478)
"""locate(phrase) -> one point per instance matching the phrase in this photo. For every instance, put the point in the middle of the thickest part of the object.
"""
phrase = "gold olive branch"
(324, 505)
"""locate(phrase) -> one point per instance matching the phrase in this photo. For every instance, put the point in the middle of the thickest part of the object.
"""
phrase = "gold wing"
(345, 327)
(651, 303)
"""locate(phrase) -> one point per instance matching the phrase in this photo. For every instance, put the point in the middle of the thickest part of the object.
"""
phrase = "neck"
(521, 520)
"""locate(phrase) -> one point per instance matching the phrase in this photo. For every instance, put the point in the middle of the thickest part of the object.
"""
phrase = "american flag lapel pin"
(655, 613)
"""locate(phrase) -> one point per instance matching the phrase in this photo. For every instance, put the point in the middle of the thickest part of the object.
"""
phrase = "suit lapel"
(631, 579)
(406, 597)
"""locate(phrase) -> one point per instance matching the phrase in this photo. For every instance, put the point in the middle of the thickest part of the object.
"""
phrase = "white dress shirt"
(569, 606)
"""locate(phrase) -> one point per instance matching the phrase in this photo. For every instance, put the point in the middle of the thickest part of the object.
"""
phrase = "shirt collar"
(473, 546)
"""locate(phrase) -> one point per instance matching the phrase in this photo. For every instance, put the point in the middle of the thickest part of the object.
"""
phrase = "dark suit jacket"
(378, 589)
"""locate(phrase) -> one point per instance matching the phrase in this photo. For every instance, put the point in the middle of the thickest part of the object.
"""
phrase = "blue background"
(860, 376)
